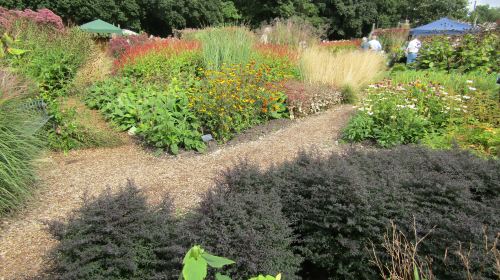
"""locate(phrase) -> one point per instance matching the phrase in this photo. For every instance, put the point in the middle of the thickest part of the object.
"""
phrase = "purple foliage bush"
(41, 16)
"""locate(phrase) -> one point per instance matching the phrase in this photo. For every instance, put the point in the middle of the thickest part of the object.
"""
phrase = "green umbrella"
(101, 27)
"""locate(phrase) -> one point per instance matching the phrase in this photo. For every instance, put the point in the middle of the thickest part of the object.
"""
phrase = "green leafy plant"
(7, 46)
(466, 53)
(52, 62)
(197, 261)
(159, 114)
(267, 277)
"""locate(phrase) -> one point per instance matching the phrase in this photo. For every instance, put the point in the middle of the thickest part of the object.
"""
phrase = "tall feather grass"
(18, 145)
(225, 45)
(291, 32)
(353, 69)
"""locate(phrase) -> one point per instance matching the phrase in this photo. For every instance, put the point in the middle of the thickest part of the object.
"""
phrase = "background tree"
(342, 18)
(485, 13)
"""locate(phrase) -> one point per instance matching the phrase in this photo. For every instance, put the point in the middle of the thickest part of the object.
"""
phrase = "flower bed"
(396, 113)
(165, 91)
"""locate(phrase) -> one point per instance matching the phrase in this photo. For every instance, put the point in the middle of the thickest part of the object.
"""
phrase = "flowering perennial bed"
(415, 112)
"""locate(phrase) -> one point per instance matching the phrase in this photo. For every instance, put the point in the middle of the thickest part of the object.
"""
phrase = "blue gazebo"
(443, 26)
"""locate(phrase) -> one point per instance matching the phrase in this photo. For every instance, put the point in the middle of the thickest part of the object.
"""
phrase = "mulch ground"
(24, 240)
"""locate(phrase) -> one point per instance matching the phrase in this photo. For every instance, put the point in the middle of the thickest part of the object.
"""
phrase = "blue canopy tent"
(444, 26)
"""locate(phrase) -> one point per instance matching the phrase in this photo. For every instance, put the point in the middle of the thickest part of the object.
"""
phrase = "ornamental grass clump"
(293, 32)
(18, 145)
(350, 68)
(225, 45)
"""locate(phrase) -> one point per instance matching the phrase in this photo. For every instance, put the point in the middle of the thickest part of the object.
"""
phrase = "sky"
(492, 3)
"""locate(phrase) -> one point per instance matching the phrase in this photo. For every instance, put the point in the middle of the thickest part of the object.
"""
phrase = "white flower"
(472, 88)
(444, 92)
(469, 81)
(370, 113)
(466, 96)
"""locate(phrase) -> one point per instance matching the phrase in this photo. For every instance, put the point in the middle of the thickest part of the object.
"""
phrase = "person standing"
(412, 50)
(364, 44)
(374, 44)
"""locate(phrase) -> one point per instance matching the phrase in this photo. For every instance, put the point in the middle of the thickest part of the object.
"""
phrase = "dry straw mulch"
(65, 178)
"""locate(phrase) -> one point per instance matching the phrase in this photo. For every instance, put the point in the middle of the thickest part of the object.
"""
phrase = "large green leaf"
(15, 51)
(215, 261)
(194, 269)
(219, 276)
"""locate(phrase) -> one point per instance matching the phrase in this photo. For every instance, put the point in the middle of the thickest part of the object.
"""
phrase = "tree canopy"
(341, 18)
(485, 13)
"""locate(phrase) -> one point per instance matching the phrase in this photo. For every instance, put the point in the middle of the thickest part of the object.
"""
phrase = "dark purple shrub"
(117, 236)
(338, 205)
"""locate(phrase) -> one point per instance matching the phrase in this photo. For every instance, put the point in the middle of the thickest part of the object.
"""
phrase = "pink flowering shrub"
(42, 17)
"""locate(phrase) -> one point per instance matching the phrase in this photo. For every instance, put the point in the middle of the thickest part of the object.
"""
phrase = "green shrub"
(340, 204)
(116, 236)
(465, 54)
(160, 114)
(248, 228)
(225, 45)
(52, 60)
(53, 57)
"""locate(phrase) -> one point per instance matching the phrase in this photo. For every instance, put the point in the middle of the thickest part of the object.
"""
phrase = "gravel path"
(24, 241)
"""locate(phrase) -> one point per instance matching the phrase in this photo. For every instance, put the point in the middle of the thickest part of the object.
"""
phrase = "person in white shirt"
(374, 44)
(412, 50)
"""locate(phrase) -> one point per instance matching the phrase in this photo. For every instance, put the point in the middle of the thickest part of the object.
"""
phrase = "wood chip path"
(64, 178)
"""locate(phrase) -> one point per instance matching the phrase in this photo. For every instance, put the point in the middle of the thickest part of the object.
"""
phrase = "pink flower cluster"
(42, 16)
